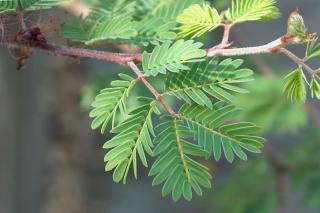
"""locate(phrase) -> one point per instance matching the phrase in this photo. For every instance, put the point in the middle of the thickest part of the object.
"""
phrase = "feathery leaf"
(295, 86)
(109, 101)
(315, 88)
(211, 78)
(132, 140)
(173, 167)
(197, 20)
(213, 135)
(252, 10)
(118, 28)
(172, 57)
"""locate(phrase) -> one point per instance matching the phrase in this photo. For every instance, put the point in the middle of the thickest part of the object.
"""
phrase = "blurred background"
(52, 162)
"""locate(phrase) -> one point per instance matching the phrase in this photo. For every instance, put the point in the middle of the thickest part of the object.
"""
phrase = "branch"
(120, 58)
(263, 49)
(275, 46)
(159, 97)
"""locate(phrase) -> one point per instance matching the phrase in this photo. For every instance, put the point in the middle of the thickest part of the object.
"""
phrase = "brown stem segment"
(142, 78)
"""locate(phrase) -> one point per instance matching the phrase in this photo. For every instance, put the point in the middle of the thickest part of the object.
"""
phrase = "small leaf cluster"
(296, 82)
(154, 22)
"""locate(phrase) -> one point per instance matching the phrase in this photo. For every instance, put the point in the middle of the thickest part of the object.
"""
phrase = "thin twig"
(142, 78)
(225, 39)
(300, 62)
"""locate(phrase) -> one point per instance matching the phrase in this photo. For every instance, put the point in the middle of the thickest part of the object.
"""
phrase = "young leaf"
(252, 10)
(172, 57)
(197, 20)
(315, 88)
(313, 49)
(295, 86)
(297, 28)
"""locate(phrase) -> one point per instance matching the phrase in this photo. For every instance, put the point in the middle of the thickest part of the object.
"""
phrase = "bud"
(297, 29)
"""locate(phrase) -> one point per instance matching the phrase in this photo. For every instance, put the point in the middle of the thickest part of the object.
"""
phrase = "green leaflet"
(172, 57)
(215, 136)
(197, 20)
(11, 5)
(313, 49)
(173, 166)
(132, 140)
(109, 101)
(208, 78)
(315, 89)
(295, 86)
(252, 10)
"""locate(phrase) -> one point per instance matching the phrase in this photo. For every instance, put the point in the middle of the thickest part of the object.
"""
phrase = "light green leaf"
(109, 101)
(214, 136)
(208, 78)
(315, 88)
(173, 165)
(295, 86)
(197, 20)
(131, 141)
(252, 10)
(172, 57)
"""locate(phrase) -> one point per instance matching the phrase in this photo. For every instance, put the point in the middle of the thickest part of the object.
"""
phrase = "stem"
(226, 33)
(263, 49)
(158, 97)
(120, 58)
(300, 62)
(225, 40)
